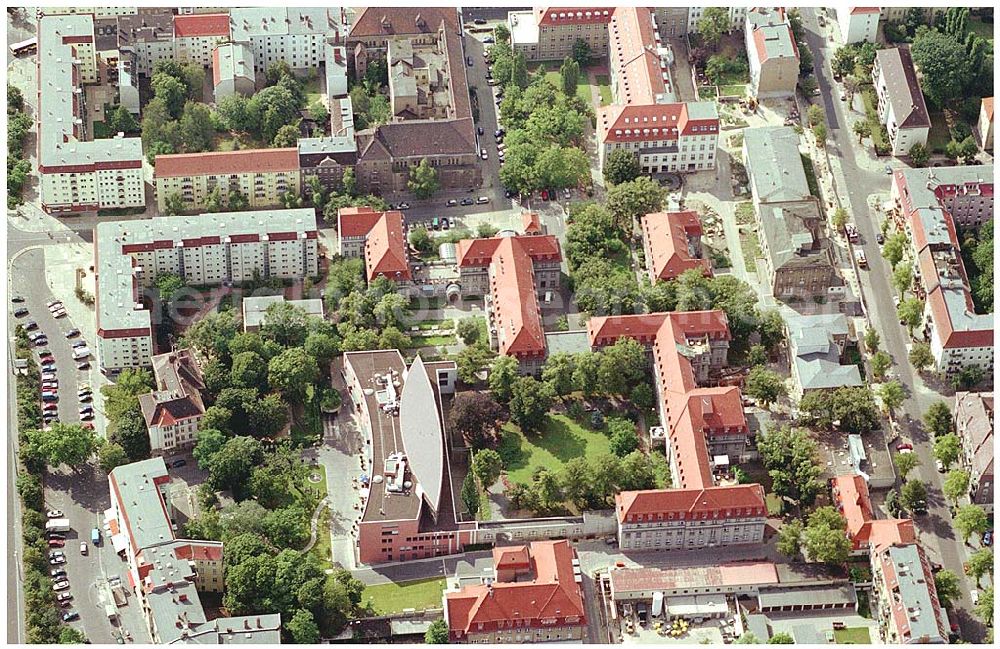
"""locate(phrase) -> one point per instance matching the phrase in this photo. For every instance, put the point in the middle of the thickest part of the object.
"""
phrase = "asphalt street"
(935, 528)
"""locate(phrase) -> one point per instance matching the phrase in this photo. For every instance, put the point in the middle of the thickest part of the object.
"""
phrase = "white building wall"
(118, 353)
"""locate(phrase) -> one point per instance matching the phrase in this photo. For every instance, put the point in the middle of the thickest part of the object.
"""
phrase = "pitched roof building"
(901, 106)
(867, 534)
(772, 52)
(974, 426)
(984, 127)
(816, 346)
(908, 610)
(535, 595)
(175, 407)
(672, 244)
(378, 238)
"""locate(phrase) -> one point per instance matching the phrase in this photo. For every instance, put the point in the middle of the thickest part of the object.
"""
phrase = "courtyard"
(560, 440)
(395, 597)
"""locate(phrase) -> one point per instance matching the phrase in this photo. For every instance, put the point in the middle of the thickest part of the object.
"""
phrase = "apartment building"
(409, 511)
(859, 24)
(96, 12)
(984, 126)
(167, 573)
(907, 606)
(549, 33)
(208, 249)
(232, 71)
(510, 272)
(974, 427)
(197, 35)
(868, 534)
(262, 176)
(798, 256)
(737, 16)
(378, 238)
(671, 242)
(150, 36)
(534, 593)
(328, 157)
(77, 174)
(816, 348)
(295, 35)
(772, 53)
(901, 106)
(174, 408)
(419, 79)
(444, 135)
(672, 21)
(930, 204)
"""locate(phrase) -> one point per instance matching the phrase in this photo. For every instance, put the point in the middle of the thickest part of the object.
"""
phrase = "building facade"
(772, 53)
(671, 242)
(907, 605)
(173, 410)
(901, 106)
(232, 70)
(984, 127)
(197, 35)
(296, 36)
(858, 24)
(376, 237)
(549, 33)
(77, 174)
(261, 176)
(209, 249)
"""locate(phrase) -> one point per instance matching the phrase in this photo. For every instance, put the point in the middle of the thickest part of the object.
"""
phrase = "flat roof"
(624, 580)
(144, 512)
(774, 164)
(523, 28)
(59, 101)
(818, 594)
(255, 308)
(262, 22)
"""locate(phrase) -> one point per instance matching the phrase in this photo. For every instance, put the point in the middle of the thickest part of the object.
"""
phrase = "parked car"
(489, 40)
(52, 303)
(87, 416)
(468, 201)
(83, 547)
(60, 585)
(85, 398)
(83, 365)
(480, 130)
(57, 572)
(31, 325)
(56, 553)
(482, 200)
(56, 543)
(41, 342)
(72, 333)
(988, 538)
(79, 343)
(57, 561)
(888, 170)
(484, 155)
(59, 313)
(64, 597)
(879, 238)
(904, 446)
(17, 299)
(20, 312)
(452, 203)
(479, 21)
(404, 206)
(50, 407)
(70, 616)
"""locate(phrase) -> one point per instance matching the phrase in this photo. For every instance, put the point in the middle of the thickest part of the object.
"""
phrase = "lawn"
(939, 135)
(604, 87)
(871, 111)
(977, 26)
(311, 88)
(810, 170)
(750, 244)
(773, 504)
(101, 131)
(582, 86)
(733, 90)
(744, 213)
(852, 635)
(394, 597)
(560, 441)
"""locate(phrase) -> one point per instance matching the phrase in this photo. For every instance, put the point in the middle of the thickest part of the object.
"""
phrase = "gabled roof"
(402, 21)
(553, 16)
(903, 87)
(974, 422)
(385, 249)
(479, 252)
(516, 314)
(552, 593)
(356, 221)
(201, 25)
(667, 235)
(736, 501)
(987, 107)
(227, 162)
(636, 122)
(850, 493)
(774, 164)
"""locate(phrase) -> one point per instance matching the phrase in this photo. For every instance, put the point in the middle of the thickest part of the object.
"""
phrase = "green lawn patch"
(939, 135)
(750, 244)
(582, 85)
(773, 504)
(604, 87)
(435, 341)
(977, 26)
(707, 92)
(484, 513)
(311, 88)
(322, 550)
(307, 423)
(102, 132)
(852, 635)
(419, 594)
(807, 164)
(871, 112)
(733, 90)
(560, 441)
(744, 213)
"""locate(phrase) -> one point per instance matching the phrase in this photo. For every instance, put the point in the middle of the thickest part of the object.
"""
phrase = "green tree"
(943, 66)
(872, 340)
(902, 277)
(947, 586)
(468, 330)
(503, 375)
(119, 120)
(790, 539)
(230, 467)
(196, 127)
(470, 495)
(840, 218)
(765, 386)
(519, 71)
(623, 436)
(824, 539)
(303, 628)
(980, 563)
(790, 455)
(714, 24)
(622, 365)
(477, 418)
(913, 495)
(881, 362)
(421, 239)
(423, 180)
(129, 432)
(110, 455)
(748, 638)
(286, 136)
(863, 129)
(487, 467)
(237, 201)
(911, 312)
(471, 362)
(558, 373)
(569, 75)
(233, 113)
(69, 444)
(921, 357)
(348, 182)
(894, 248)
(947, 449)
(891, 394)
(906, 462)
(437, 633)
(781, 638)
(291, 372)
(621, 166)
(820, 133)
(629, 200)
(171, 91)
(968, 377)
(919, 155)
(173, 204)
(320, 113)
(529, 403)
(969, 520)
(955, 485)
(581, 52)
(984, 609)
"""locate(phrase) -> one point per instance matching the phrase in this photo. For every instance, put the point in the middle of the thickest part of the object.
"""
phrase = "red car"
(545, 195)
(56, 543)
(904, 446)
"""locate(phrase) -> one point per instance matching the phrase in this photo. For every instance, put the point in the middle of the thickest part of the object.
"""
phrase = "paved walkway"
(314, 524)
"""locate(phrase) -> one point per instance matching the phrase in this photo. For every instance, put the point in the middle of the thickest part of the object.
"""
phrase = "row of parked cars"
(56, 529)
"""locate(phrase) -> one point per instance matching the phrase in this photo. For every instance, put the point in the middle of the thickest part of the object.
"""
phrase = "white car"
(53, 303)
(59, 313)
(83, 547)
(54, 513)
(484, 155)
(60, 585)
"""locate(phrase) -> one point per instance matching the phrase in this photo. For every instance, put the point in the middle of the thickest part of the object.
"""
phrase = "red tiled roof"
(396, 21)
(479, 252)
(227, 162)
(198, 552)
(736, 501)
(864, 10)
(356, 221)
(636, 122)
(988, 107)
(201, 25)
(605, 330)
(530, 223)
(639, 75)
(666, 234)
(553, 594)
(552, 16)
(716, 411)
(850, 493)
(385, 249)
(511, 557)
(516, 314)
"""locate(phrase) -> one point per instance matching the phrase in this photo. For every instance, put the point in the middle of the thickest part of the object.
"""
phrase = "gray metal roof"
(57, 146)
(261, 22)
(572, 342)
(786, 230)
(903, 87)
(774, 164)
(235, 61)
(829, 594)
(816, 356)
(141, 502)
(423, 432)
(914, 590)
(255, 308)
